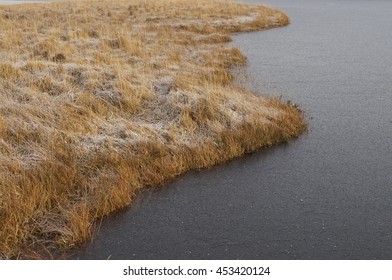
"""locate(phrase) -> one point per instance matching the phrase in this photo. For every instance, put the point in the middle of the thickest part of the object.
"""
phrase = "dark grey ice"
(326, 195)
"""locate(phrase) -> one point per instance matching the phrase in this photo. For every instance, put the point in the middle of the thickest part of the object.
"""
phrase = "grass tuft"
(101, 98)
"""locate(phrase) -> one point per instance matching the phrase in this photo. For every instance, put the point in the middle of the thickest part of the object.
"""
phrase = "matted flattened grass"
(101, 98)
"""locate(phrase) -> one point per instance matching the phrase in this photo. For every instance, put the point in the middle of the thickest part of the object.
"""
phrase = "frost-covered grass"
(101, 98)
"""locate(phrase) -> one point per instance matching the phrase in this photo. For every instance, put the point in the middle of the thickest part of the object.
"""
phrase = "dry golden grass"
(101, 98)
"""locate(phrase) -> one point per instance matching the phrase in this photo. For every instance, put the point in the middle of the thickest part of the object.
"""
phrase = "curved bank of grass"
(101, 98)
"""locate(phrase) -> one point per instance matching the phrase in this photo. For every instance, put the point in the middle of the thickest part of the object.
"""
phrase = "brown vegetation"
(101, 98)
